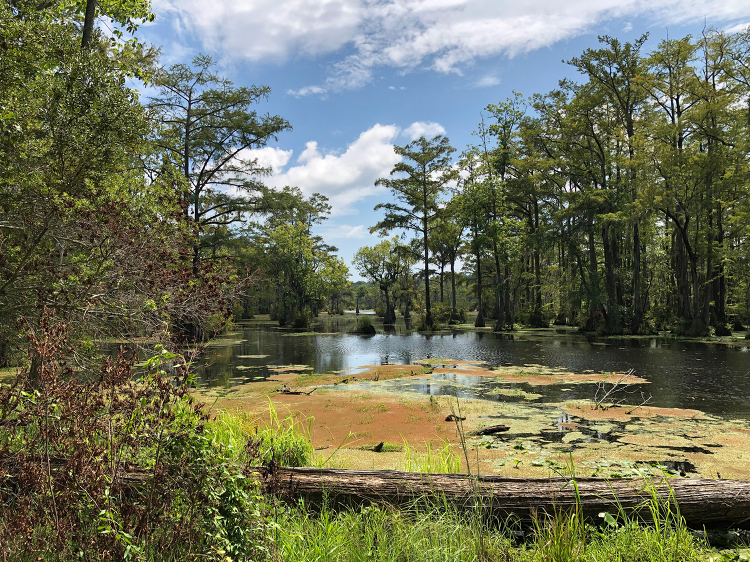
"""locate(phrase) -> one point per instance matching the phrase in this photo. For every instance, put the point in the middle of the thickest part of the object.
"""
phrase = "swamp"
(677, 412)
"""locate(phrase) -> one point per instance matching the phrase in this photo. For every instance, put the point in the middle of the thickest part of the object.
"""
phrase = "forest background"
(617, 203)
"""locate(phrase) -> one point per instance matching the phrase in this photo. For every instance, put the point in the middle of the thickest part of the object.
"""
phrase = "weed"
(285, 442)
(443, 461)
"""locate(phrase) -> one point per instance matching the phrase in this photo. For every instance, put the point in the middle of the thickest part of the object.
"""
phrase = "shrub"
(117, 467)
(365, 327)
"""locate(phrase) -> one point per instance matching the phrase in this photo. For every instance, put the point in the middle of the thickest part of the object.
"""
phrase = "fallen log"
(11, 472)
(492, 430)
(700, 501)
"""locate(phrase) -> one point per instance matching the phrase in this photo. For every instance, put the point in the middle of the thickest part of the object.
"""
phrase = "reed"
(443, 461)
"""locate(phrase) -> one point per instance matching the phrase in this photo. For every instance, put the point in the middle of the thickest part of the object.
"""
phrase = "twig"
(643, 403)
(621, 385)
(460, 430)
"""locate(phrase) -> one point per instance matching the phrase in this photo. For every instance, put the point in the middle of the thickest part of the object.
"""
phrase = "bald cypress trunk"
(88, 23)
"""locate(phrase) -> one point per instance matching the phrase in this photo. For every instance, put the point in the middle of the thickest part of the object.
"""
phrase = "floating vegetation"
(539, 375)
(435, 361)
(221, 342)
(291, 368)
(514, 393)
(251, 356)
(612, 440)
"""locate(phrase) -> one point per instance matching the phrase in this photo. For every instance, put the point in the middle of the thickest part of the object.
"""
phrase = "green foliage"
(365, 326)
(384, 264)
(249, 441)
(73, 204)
(206, 125)
(303, 273)
(119, 467)
(418, 182)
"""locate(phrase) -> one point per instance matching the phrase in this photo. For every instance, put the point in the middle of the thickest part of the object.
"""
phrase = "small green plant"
(365, 326)
(442, 461)
(285, 442)
(434, 404)
(560, 537)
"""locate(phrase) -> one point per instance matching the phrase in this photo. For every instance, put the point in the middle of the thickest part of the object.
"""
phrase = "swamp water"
(697, 421)
(711, 377)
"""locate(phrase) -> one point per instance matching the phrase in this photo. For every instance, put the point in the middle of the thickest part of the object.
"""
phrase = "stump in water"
(492, 430)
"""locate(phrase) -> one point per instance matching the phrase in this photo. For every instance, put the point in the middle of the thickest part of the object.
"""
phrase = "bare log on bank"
(700, 501)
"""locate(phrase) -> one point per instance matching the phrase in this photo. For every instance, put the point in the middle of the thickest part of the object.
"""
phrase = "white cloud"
(266, 29)
(739, 28)
(487, 81)
(307, 90)
(269, 157)
(344, 178)
(444, 35)
(422, 129)
(627, 27)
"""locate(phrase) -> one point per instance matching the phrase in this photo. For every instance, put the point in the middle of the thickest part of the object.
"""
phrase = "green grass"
(439, 532)
(442, 461)
(377, 533)
(249, 440)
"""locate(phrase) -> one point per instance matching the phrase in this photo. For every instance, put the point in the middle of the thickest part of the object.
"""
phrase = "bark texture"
(701, 501)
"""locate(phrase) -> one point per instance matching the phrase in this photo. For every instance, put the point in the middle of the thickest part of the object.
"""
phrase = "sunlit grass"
(436, 461)
(439, 531)
(255, 440)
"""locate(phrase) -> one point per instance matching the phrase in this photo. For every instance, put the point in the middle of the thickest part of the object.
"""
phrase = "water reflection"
(709, 377)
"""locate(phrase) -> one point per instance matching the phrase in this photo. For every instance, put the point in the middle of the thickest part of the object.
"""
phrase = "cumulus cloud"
(346, 177)
(422, 129)
(444, 35)
(269, 157)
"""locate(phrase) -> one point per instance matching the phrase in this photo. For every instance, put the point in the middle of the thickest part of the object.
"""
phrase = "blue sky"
(355, 77)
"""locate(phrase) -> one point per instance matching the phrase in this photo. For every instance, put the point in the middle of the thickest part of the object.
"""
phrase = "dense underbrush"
(116, 467)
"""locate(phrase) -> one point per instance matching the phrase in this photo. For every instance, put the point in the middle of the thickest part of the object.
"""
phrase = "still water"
(714, 378)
